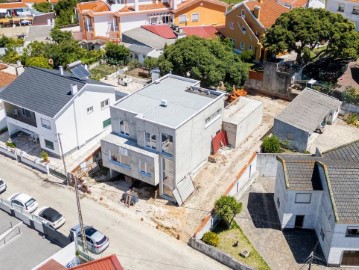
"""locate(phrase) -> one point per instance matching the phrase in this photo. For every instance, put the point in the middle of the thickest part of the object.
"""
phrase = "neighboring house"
(44, 19)
(348, 8)
(247, 22)
(321, 193)
(98, 19)
(162, 134)
(47, 104)
(5, 80)
(309, 112)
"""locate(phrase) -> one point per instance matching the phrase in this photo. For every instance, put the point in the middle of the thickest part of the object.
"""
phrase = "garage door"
(350, 258)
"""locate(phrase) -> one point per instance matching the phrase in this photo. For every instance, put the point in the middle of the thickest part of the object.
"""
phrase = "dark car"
(50, 216)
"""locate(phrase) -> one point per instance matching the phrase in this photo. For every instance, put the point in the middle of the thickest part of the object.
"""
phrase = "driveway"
(137, 245)
(285, 250)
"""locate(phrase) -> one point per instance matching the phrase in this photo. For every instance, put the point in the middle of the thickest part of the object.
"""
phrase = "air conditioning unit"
(164, 102)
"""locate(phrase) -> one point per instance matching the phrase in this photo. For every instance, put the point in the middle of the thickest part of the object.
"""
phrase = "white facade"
(79, 121)
(103, 25)
(349, 9)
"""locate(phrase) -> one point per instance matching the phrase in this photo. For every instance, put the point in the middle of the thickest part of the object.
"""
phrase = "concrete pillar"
(137, 6)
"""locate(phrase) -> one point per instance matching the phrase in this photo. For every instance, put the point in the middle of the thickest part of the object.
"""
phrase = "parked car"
(24, 201)
(96, 242)
(50, 216)
(2, 186)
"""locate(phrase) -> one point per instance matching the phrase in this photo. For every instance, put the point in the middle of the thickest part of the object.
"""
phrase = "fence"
(35, 223)
(14, 232)
(24, 158)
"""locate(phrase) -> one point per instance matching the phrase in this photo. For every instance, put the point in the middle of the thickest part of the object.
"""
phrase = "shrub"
(133, 64)
(211, 238)
(227, 207)
(10, 144)
(271, 144)
(45, 155)
(351, 119)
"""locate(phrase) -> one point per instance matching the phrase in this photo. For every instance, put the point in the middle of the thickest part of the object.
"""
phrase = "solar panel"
(80, 72)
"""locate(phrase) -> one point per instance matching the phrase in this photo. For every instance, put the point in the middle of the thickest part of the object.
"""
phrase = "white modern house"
(53, 105)
(321, 193)
(162, 134)
(348, 8)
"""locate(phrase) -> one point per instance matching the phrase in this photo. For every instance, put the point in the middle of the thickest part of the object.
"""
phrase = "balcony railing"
(16, 113)
(27, 120)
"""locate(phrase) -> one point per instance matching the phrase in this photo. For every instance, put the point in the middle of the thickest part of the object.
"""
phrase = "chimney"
(257, 11)
(61, 70)
(137, 6)
(73, 89)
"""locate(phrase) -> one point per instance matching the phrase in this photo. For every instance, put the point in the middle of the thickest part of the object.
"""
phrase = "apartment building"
(162, 134)
(321, 193)
(247, 22)
(348, 8)
(100, 20)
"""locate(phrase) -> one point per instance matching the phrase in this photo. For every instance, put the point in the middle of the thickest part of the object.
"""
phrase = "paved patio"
(285, 250)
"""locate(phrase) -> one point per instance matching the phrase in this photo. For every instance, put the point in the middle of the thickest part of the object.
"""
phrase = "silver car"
(2, 186)
(96, 242)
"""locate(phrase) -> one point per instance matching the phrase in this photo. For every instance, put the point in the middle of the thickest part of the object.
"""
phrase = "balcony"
(20, 114)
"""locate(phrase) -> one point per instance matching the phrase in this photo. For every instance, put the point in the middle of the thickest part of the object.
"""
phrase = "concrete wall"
(267, 165)
(349, 108)
(129, 22)
(297, 139)
(103, 25)
(217, 255)
(274, 83)
(332, 5)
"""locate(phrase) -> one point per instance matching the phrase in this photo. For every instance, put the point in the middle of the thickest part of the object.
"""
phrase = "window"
(90, 109)
(278, 202)
(243, 15)
(142, 165)
(352, 232)
(214, 116)
(105, 103)
(256, 33)
(182, 18)
(150, 140)
(341, 7)
(121, 158)
(106, 123)
(243, 29)
(124, 129)
(322, 235)
(356, 10)
(49, 144)
(242, 45)
(195, 17)
(302, 197)
(167, 144)
(26, 113)
(45, 123)
(250, 47)
(231, 25)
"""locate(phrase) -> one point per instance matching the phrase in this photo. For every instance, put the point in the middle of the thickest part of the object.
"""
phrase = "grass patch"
(101, 71)
(230, 236)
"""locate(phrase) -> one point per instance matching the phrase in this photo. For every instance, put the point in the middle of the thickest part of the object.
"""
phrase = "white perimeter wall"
(130, 22)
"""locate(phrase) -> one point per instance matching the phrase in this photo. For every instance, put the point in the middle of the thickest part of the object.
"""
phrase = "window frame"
(243, 14)
(301, 202)
(24, 113)
(124, 127)
(355, 10)
(180, 18)
(47, 145)
(144, 172)
(45, 125)
(168, 136)
(347, 234)
(89, 110)
(105, 103)
(150, 140)
(341, 7)
(231, 25)
(197, 17)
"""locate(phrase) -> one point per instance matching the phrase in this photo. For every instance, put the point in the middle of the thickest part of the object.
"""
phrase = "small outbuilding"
(307, 114)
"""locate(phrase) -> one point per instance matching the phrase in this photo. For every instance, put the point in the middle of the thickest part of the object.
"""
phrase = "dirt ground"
(210, 182)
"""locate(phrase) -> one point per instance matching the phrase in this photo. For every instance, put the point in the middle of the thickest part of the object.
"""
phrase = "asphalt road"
(137, 245)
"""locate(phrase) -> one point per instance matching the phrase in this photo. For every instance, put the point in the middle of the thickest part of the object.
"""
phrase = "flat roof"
(240, 109)
(26, 250)
(183, 95)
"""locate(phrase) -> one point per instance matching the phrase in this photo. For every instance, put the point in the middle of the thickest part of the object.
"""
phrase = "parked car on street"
(2, 186)
(24, 201)
(96, 242)
(50, 216)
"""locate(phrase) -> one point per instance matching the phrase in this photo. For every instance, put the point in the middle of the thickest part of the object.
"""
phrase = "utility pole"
(63, 158)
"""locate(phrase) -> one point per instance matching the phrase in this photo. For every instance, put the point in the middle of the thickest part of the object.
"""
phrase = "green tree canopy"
(116, 54)
(65, 12)
(271, 144)
(60, 36)
(210, 61)
(303, 29)
(150, 63)
(38, 61)
(43, 7)
(227, 207)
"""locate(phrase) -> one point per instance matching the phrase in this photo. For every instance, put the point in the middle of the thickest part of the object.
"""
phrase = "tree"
(116, 54)
(227, 207)
(271, 144)
(60, 36)
(65, 14)
(44, 7)
(150, 63)
(302, 30)
(38, 61)
(210, 61)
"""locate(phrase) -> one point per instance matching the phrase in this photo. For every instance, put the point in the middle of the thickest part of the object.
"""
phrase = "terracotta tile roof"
(162, 30)
(42, 18)
(6, 78)
(207, 32)
(107, 263)
(51, 265)
(12, 5)
(39, 1)
(189, 3)
(350, 77)
(95, 6)
(295, 3)
(269, 12)
(2, 66)
(145, 7)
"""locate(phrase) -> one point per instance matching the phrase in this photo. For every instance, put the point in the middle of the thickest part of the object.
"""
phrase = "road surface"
(137, 245)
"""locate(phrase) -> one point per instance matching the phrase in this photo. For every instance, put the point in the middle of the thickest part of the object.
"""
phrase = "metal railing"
(14, 232)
